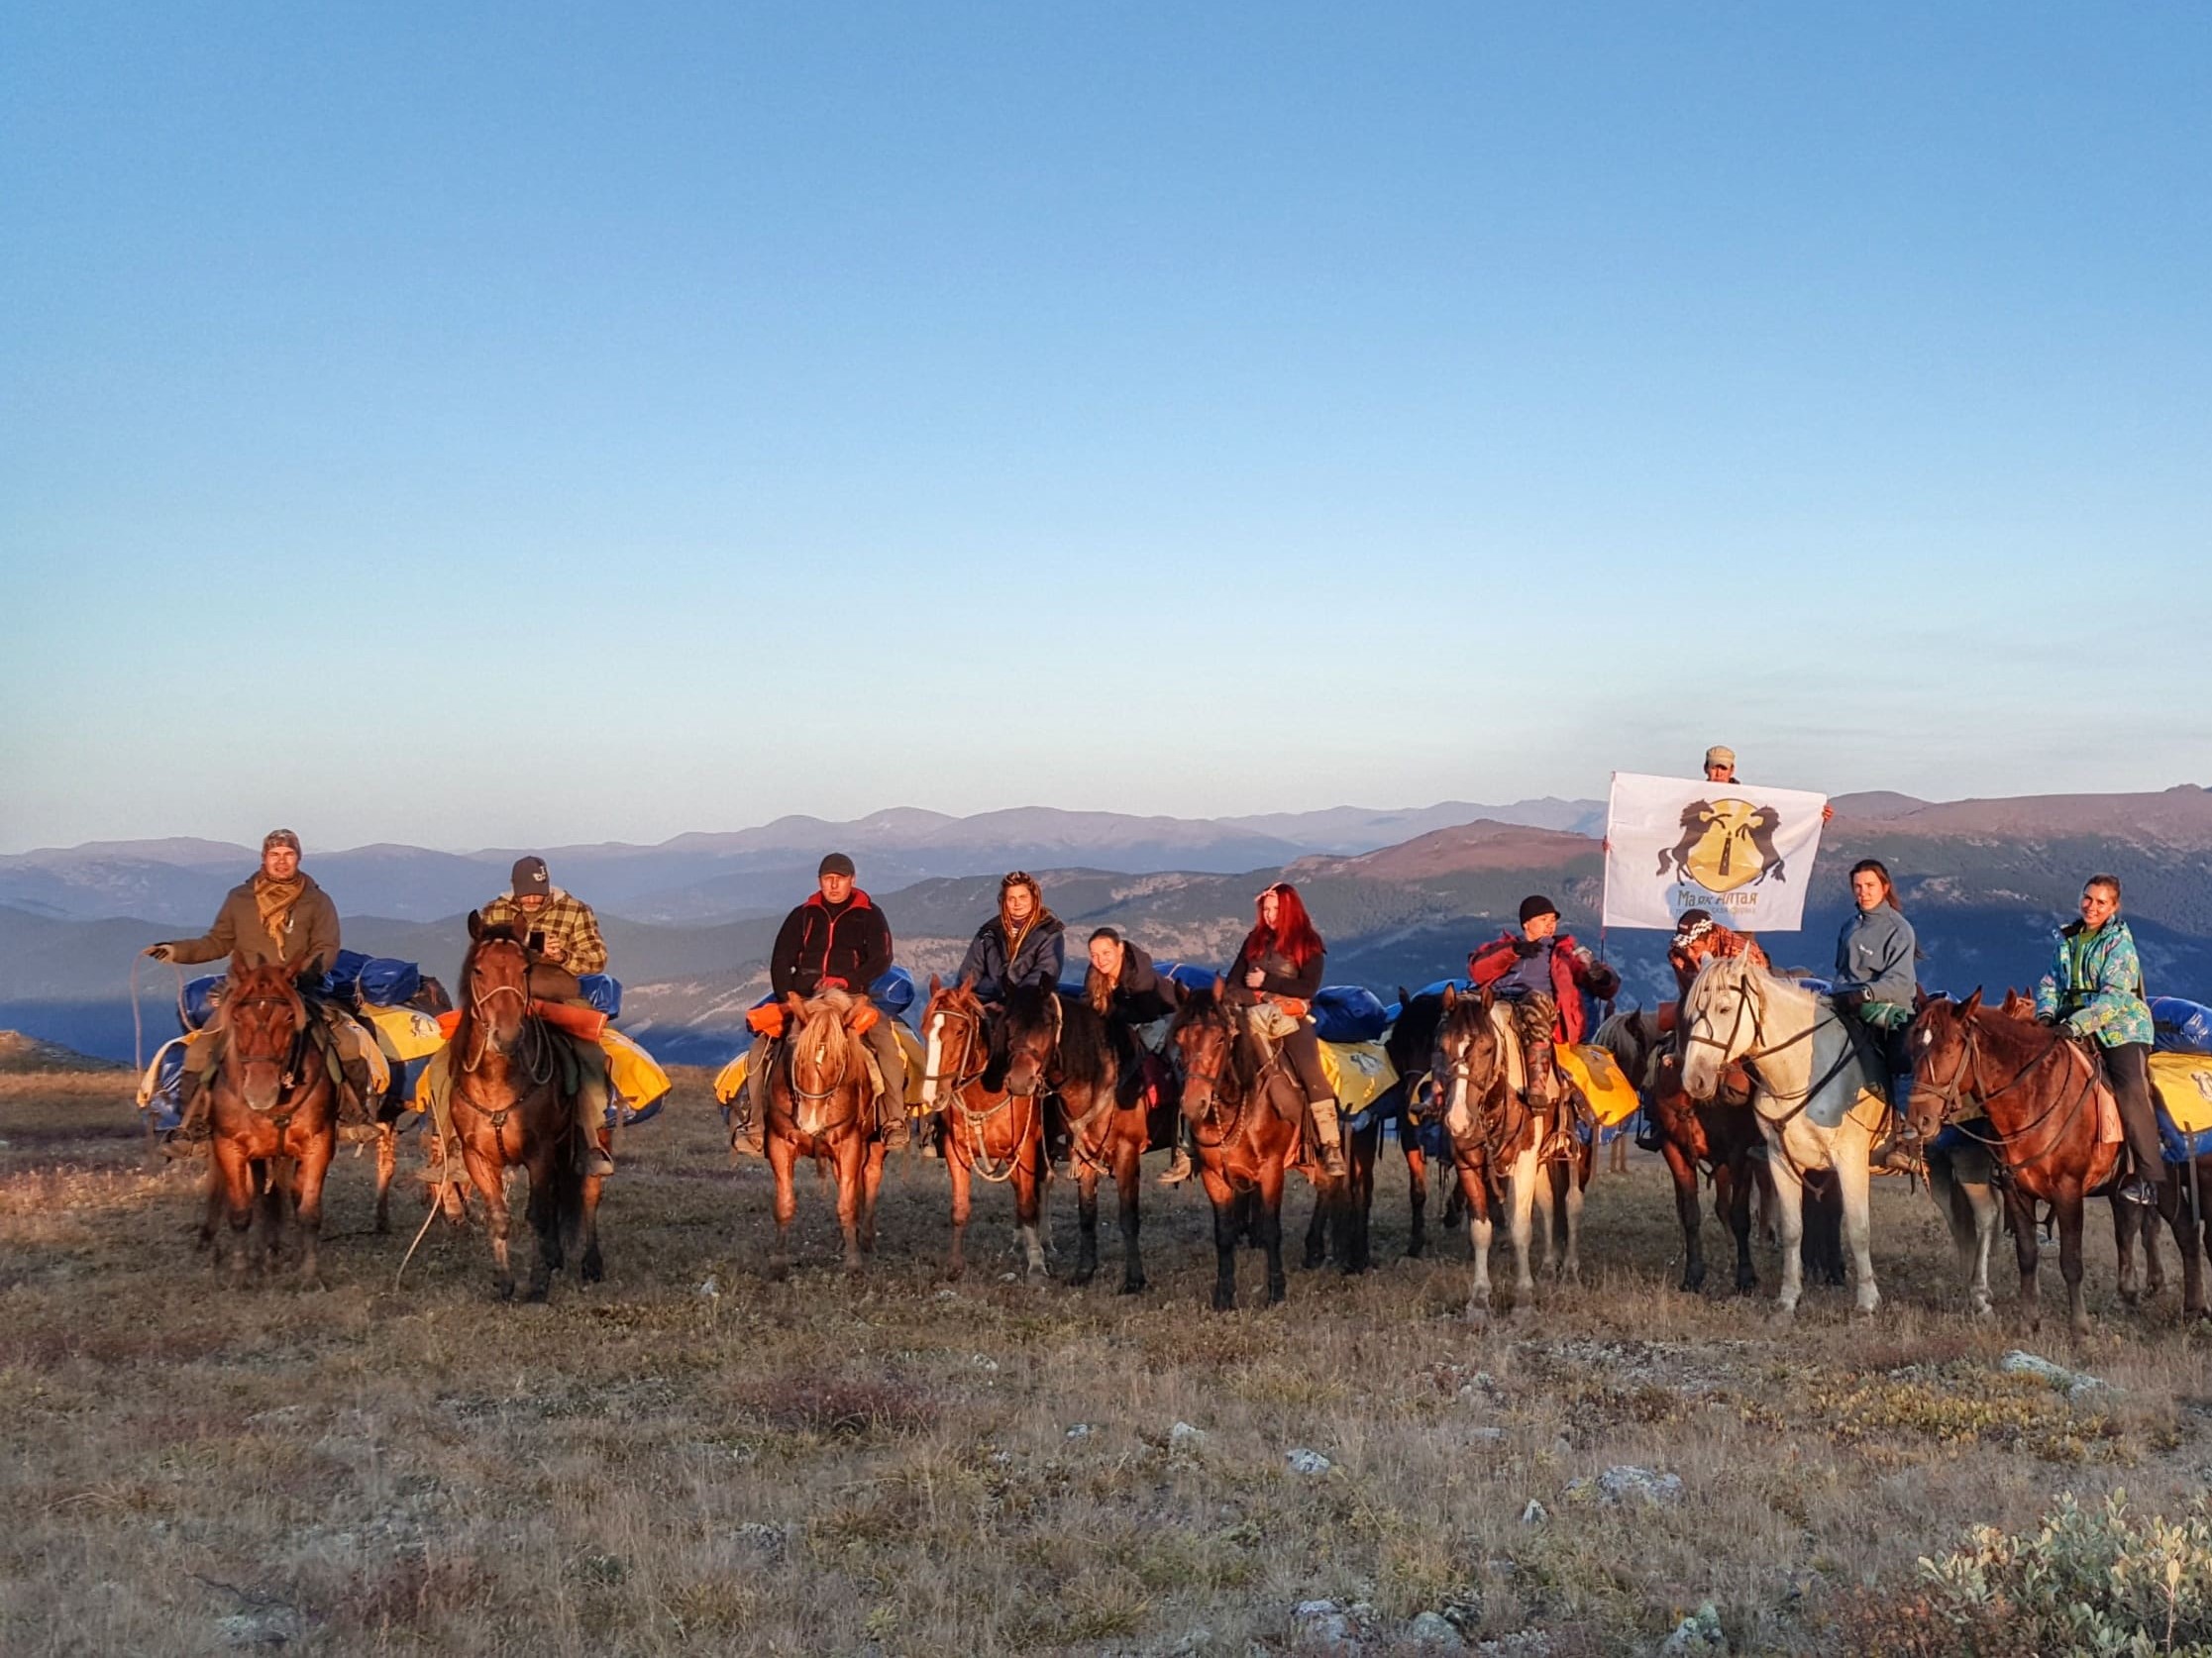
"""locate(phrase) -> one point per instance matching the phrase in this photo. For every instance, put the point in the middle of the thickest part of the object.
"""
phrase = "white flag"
(1744, 855)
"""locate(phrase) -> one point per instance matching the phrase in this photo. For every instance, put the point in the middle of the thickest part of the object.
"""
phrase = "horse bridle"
(1490, 1139)
(290, 1079)
(480, 1025)
(979, 1162)
(1965, 1086)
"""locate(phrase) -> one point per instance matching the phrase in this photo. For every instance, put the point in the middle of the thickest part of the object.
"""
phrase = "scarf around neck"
(273, 902)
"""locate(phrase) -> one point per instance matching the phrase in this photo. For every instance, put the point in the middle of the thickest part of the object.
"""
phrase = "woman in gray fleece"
(1874, 955)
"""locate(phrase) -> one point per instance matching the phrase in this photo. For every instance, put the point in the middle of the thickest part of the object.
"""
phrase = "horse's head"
(825, 1058)
(1204, 1037)
(1469, 1055)
(495, 983)
(1718, 1022)
(952, 1024)
(263, 1016)
(1412, 1038)
(1941, 1043)
(1030, 1036)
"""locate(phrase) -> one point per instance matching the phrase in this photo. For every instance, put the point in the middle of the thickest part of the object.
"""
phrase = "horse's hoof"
(1132, 1286)
(1081, 1278)
(537, 1294)
(1274, 1296)
(1784, 1317)
(1478, 1317)
(1416, 1250)
(383, 1225)
(594, 1269)
(503, 1289)
(1693, 1278)
(1224, 1300)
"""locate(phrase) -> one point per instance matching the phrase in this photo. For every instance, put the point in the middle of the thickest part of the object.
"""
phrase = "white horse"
(1804, 1065)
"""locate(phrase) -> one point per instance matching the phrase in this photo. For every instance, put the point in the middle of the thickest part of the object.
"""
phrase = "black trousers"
(1305, 1051)
(2129, 1067)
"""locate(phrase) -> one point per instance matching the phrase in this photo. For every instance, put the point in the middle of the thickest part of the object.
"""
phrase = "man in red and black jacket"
(838, 940)
(1544, 973)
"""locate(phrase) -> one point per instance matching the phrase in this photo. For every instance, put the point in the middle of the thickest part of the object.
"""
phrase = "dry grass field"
(690, 1458)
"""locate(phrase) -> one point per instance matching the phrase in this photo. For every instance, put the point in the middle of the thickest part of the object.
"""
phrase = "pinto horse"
(985, 1130)
(821, 1105)
(514, 1105)
(1496, 1136)
(1245, 1108)
(1064, 1047)
(1803, 1062)
(2048, 1113)
(272, 1112)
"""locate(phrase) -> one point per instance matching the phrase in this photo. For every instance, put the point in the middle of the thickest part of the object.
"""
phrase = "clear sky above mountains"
(538, 423)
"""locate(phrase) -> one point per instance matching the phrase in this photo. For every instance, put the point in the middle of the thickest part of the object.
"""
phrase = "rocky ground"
(688, 1457)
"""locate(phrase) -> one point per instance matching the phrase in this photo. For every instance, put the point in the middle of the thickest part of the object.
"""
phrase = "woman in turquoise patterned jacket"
(2095, 989)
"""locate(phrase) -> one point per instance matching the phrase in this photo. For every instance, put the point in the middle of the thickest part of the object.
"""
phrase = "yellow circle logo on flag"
(1725, 844)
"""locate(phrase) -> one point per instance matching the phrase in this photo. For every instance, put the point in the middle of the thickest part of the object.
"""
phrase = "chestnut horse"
(1245, 1108)
(985, 1129)
(2049, 1116)
(1061, 1046)
(821, 1105)
(514, 1105)
(273, 1113)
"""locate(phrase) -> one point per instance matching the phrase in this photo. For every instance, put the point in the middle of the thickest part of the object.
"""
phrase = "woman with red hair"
(1275, 974)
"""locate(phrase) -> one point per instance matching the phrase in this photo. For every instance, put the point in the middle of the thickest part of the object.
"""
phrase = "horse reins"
(980, 1162)
(1965, 1085)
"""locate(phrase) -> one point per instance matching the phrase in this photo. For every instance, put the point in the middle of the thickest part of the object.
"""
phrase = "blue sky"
(546, 423)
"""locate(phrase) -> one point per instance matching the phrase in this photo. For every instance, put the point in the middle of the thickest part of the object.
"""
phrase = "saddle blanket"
(1358, 1072)
(729, 1082)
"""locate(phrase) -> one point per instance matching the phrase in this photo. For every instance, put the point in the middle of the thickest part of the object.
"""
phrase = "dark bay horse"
(986, 1129)
(1408, 1045)
(1245, 1108)
(2050, 1135)
(1064, 1045)
(272, 1112)
(821, 1105)
(514, 1105)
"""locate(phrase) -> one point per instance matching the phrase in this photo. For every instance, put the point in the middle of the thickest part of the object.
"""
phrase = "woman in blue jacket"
(1024, 944)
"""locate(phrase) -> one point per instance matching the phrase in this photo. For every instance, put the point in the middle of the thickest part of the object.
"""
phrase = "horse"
(1247, 1108)
(1495, 1137)
(2048, 1111)
(985, 1129)
(1800, 1055)
(514, 1105)
(821, 1105)
(273, 1115)
(1064, 1047)
(1411, 1042)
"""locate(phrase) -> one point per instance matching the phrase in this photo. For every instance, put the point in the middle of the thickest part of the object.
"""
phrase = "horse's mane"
(1087, 1053)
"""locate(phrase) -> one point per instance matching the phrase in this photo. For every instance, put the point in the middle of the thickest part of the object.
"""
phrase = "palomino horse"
(272, 1112)
(514, 1105)
(1497, 1139)
(2052, 1133)
(1805, 1064)
(821, 1105)
(1061, 1046)
(986, 1131)
(1245, 1108)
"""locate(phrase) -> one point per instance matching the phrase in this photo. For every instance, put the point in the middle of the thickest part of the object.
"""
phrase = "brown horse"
(1064, 1045)
(1245, 1108)
(821, 1105)
(514, 1105)
(1497, 1137)
(1410, 1043)
(272, 1112)
(994, 1133)
(2051, 1124)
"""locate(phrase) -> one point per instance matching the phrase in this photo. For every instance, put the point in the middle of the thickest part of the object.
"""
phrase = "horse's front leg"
(1686, 1211)
(2068, 1209)
(1474, 1192)
(1028, 1183)
(1522, 1196)
(851, 1159)
(1731, 1205)
(1853, 1180)
(957, 1167)
(543, 1210)
(310, 1173)
(231, 1174)
(593, 1267)
(387, 1164)
(1270, 1220)
(2022, 1211)
(1417, 1191)
(1579, 1168)
(1316, 1229)
(870, 1186)
(1226, 1203)
(486, 1176)
(2192, 1232)
(1789, 1216)
(1128, 1176)
(781, 1155)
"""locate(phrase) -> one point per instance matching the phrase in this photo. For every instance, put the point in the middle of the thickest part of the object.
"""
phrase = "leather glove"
(1525, 947)
(161, 951)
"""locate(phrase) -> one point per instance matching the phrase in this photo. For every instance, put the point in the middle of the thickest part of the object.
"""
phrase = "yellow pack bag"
(636, 1074)
(1357, 1072)
(1599, 1075)
(2184, 1082)
(403, 1033)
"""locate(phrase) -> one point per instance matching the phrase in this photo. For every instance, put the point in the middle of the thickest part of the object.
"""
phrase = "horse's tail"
(566, 1190)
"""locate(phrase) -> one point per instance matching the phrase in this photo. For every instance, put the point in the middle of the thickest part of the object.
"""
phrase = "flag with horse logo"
(1744, 855)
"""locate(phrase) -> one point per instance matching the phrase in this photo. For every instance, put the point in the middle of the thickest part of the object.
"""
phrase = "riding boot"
(195, 1125)
(746, 1109)
(1329, 1135)
(1649, 1136)
(1899, 1152)
(891, 1118)
(593, 1098)
(1179, 1156)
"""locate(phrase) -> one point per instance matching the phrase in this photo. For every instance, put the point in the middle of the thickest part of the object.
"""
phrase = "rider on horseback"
(1024, 944)
(1276, 970)
(563, 938)
(1124, 988)
(1544, 973)
(278, 917)
(1874, 978)
(836, 940)
(2095, 991)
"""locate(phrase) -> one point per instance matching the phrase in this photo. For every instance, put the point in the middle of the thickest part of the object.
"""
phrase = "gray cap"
(530, 877)
(836, 863)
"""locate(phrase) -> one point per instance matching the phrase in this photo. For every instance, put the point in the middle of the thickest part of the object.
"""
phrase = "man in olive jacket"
(279, 917)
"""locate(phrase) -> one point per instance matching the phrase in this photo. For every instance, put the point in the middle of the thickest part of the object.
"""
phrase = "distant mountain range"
(1983, 881)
